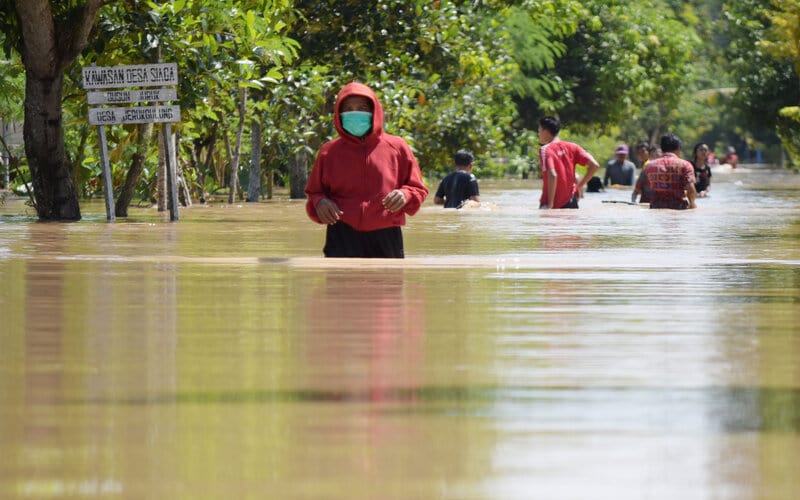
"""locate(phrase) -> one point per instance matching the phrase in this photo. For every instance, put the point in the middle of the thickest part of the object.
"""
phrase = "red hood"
(355, 88)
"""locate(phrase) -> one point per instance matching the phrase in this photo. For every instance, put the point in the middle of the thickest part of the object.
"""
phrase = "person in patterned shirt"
(671, 178)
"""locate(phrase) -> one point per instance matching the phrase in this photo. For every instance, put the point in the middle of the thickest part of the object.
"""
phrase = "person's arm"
(319, 207)
(474, 194)
(690, 181)
(438, 198)
(690, 194)
(552, 179)
(410, 195)
(638, 186)
(590, 171)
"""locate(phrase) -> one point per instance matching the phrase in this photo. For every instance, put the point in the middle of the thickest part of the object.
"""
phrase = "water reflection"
(611, 352)
(364, 331)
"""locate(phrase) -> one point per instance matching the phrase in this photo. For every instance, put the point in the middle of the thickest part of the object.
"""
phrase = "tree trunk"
(199, 171)
(254, 184)
(48, 45)
(237, 153)
(51, 173)
(161, 190)
(298, 174)
(145, 131)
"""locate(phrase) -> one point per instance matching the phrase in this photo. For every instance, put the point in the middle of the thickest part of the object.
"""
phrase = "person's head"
(357, 112)
(731, 150)
(549, 126)
(700, 152)
(621, 152)
(641, 152)
(653, 152)
(463, 159)
(356, 103)
(670, 143)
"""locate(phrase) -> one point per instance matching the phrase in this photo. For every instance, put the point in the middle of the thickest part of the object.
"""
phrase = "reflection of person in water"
(364, 334)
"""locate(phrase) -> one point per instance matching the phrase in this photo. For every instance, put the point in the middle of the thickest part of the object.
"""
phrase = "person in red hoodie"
(364, 182)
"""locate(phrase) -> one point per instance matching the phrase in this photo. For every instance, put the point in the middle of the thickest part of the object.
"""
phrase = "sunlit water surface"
(609, 352)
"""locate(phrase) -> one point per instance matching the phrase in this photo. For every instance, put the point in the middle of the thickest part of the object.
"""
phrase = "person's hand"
(394, 201)
(328, 212)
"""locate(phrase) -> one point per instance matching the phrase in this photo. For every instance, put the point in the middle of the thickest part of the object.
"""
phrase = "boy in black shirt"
(458, 186)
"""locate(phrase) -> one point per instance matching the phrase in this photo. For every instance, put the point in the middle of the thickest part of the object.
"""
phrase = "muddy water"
(609, 352)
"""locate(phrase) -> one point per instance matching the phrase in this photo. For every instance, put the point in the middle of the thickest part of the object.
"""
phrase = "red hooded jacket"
(356, 173)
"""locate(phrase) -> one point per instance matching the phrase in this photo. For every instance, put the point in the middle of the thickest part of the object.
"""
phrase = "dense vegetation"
(258, 79)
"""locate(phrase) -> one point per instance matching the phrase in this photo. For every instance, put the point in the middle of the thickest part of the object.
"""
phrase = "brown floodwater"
(609, 352)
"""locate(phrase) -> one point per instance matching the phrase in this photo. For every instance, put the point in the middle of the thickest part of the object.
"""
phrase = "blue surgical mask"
(357, 123)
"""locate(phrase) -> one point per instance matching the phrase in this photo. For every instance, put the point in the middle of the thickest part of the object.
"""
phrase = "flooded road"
(609, 352)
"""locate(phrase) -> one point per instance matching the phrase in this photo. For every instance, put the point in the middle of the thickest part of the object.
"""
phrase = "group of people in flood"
(621, 172)
(365, 181)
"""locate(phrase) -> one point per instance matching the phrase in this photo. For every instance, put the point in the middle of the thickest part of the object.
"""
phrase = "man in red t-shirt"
(671, 178)
(557, 160)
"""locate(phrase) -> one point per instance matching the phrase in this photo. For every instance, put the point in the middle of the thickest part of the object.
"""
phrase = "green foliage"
(12, 89)
(439, 68)
(537, 35)
(450, 73)
(789, 132)
(220, 47)
(766, 82)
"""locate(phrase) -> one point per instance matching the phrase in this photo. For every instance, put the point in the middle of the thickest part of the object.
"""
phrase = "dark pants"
(573, 203)
(342, 240)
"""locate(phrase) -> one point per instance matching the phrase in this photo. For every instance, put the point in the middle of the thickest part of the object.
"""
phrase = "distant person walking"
(642, 154)
(702, 170)
(620, 171)
(642, 186)
(671, 178)
(460, 185)
(731, 158)
(557, 159)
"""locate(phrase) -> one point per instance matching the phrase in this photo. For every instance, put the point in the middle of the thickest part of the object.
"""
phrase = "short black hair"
(670, 143)
(463, 158)
(551, 124)
(642, 145)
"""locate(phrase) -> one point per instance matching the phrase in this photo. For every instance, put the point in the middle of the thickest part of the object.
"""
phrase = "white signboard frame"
(137, 114)
(137, 75)
(129, 96)
(123, 77)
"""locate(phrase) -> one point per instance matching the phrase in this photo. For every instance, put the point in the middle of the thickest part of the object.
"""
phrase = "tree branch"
(75, 36)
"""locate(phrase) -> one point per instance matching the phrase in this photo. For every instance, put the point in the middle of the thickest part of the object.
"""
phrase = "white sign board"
(137, 75)
(128, 96)
(137, 114)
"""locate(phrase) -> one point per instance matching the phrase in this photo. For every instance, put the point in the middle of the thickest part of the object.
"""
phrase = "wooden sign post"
(98, 79)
